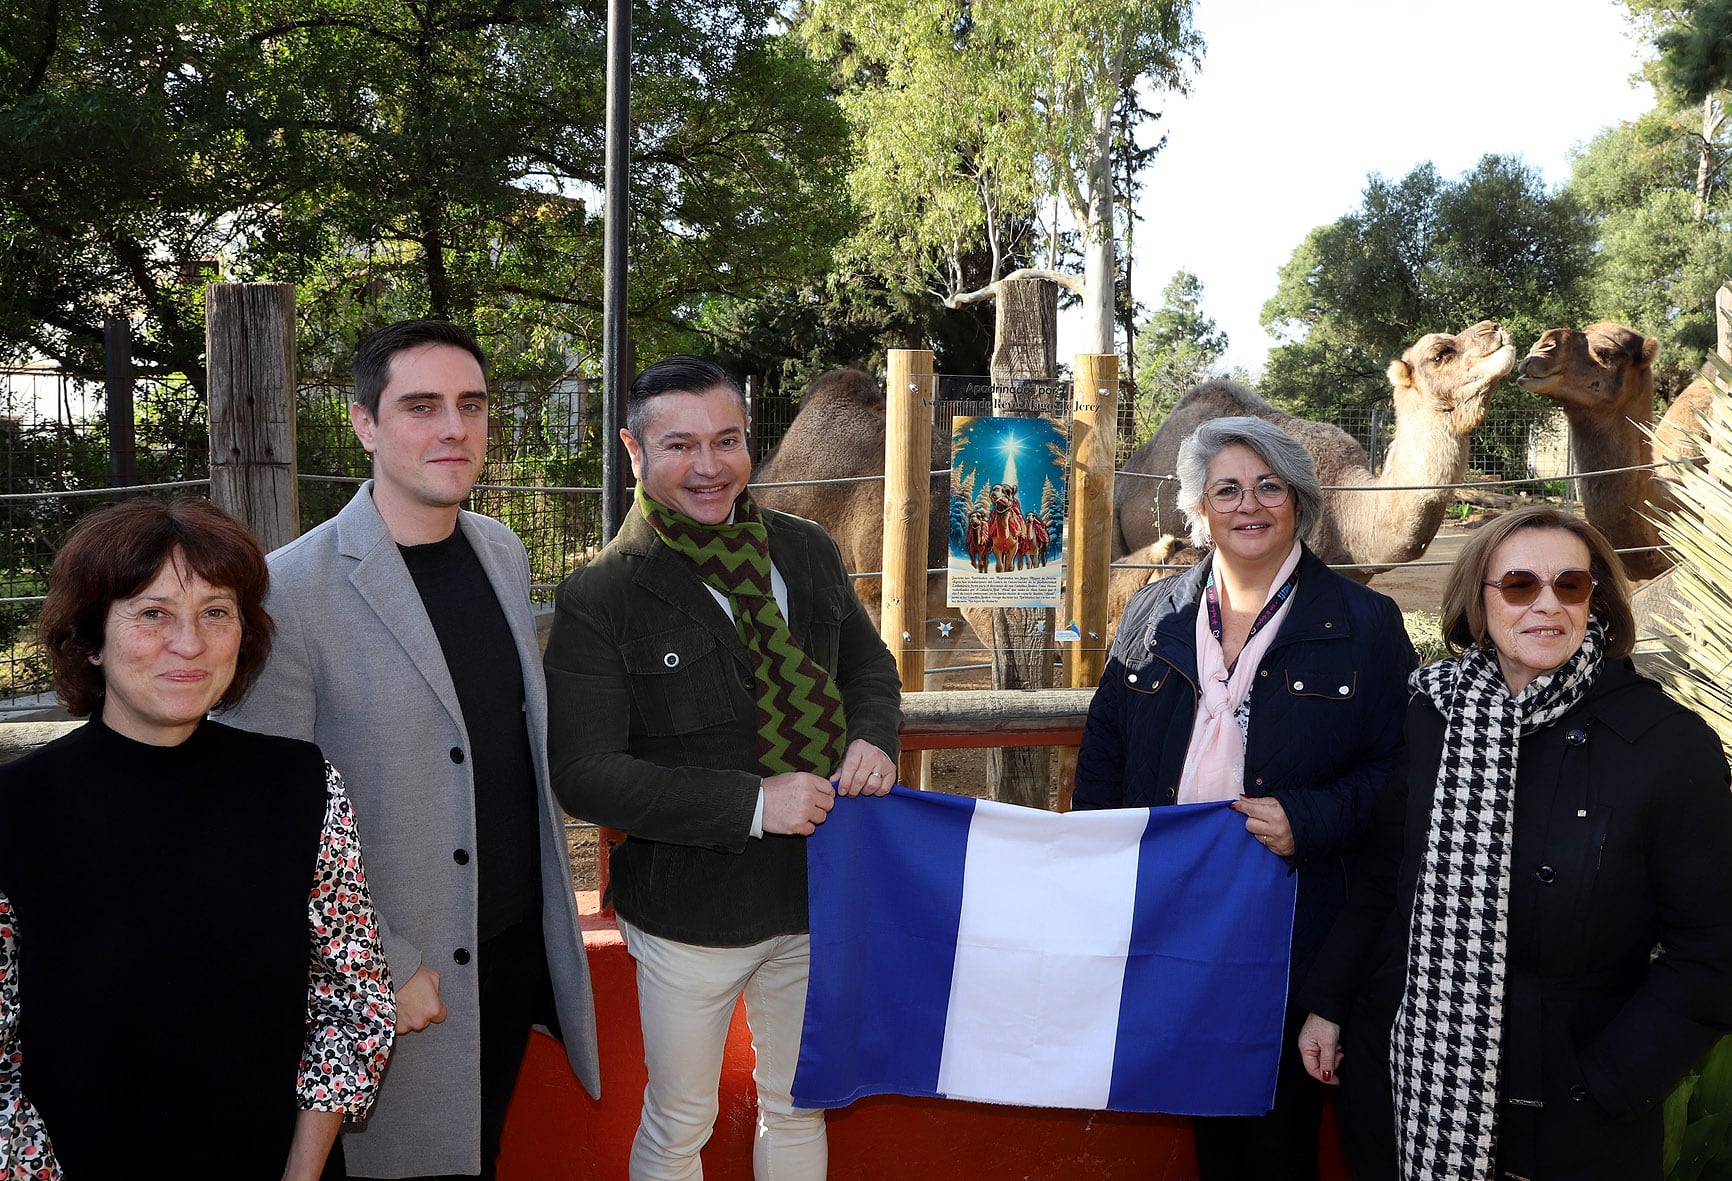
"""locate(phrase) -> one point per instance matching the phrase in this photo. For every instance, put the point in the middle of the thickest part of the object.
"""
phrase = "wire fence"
(542, 474)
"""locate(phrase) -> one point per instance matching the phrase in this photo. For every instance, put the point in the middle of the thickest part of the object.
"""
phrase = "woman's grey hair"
(1285, 455)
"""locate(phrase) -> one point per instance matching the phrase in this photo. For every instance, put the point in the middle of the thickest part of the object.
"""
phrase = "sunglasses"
(1521, 587)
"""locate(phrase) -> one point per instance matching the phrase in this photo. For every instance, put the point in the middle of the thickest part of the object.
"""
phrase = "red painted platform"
(557, 1133)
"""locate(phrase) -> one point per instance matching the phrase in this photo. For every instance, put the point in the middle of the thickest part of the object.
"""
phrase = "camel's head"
(1003, 496)
(1603, 369)
(1453, 376)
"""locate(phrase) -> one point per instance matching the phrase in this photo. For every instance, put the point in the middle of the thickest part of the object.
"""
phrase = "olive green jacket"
(652, 727)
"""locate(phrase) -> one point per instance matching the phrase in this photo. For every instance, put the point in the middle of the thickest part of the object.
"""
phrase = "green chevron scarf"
(801, 726)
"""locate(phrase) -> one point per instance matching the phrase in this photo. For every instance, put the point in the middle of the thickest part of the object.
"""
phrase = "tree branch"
(991, 290)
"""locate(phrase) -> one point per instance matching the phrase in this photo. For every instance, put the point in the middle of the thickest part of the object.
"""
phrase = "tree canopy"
(968, 116)
(398, 158)
(1178, 347)
(1422, 254)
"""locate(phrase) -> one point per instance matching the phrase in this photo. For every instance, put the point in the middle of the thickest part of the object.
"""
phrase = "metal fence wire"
(542, 474)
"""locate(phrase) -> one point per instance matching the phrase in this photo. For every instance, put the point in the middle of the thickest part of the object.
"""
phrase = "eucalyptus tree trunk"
(1025, 346)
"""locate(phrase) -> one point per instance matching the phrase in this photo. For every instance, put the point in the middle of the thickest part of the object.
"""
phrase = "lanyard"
(1263, 616)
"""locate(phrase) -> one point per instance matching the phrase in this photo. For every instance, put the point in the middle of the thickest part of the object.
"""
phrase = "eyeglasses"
(1270, 493)
(1521, 587)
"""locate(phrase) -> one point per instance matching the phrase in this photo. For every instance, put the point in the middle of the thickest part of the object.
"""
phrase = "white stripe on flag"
(1040, 956)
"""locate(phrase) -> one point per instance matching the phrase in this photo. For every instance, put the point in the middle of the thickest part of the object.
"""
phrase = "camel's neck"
(1615, 503)
(1395, 524)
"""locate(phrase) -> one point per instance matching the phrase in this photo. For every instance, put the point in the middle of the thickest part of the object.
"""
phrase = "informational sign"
(1008, 502)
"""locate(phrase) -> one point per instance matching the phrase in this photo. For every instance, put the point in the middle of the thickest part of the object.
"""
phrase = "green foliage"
(969, 115)
(1178, 347)
(792, 334)
(1658, 264)
(1698, 1144)
(1698, 1113)
(1419, 255)
(398, 159)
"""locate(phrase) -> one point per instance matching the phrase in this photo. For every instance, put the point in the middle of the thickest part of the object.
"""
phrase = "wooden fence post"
(907, 513)
(250, 358)
(1089, 532)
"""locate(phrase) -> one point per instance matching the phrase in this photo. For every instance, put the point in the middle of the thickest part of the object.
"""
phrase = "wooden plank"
(250, 358)
(907, 510)
(1089, 532)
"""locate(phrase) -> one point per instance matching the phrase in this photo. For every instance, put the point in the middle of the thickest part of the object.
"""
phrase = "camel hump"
(849, 387)
(838, 430)
(1220, 397)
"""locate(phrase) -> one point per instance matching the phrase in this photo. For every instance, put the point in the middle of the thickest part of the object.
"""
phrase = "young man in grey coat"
(405, 648)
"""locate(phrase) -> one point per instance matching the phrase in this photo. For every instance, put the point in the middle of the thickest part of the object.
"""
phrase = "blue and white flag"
(1129, 960)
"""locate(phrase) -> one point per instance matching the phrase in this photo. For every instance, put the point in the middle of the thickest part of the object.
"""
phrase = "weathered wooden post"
(1089, 532)
(250, 358)
(907, 508)
(1025, 348)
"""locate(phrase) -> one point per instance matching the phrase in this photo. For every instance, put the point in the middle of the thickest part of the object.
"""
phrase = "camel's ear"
(1400, 373)
(1650, 350)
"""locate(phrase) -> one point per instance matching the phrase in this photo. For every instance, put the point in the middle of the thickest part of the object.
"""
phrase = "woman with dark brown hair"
(1539, 945)
(191, 982)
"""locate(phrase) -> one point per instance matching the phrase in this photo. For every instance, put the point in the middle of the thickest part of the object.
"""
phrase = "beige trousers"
(686, 999)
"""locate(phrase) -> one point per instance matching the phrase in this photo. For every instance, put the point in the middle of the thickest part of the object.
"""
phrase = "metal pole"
(615, 358)
(117, 358)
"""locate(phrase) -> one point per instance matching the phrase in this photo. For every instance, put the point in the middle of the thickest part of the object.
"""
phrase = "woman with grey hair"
(1263, 678)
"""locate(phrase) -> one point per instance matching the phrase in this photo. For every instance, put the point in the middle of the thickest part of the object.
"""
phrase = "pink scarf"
(1215, 760)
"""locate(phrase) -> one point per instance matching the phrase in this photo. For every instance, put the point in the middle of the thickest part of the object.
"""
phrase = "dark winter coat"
(1622, 845)
(1325, 723)
(654, 726)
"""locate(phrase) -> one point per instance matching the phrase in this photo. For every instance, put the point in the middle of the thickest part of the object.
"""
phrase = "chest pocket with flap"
(679, 680)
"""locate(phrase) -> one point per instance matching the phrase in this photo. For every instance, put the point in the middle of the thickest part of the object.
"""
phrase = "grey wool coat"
(357, 668)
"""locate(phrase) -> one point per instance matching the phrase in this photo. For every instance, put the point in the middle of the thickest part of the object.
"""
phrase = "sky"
(1299, 101)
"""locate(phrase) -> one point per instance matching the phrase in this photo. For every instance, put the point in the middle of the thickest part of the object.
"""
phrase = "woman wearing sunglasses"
(1539, 944)
(1261, 677)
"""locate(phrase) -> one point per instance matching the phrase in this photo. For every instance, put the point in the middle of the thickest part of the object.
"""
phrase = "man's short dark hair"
(680, 374)
(373, 359)
(114, 553)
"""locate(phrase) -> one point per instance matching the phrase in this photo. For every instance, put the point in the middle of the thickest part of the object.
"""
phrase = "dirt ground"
(1417, 586)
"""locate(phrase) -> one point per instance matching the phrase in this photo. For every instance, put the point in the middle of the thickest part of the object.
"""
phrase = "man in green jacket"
(713, 684)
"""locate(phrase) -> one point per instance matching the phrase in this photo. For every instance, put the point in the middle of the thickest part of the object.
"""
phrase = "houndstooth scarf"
(1448, 1036)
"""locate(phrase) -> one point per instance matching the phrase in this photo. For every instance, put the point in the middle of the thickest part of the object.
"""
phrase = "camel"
(1006, 528)
(839, 431)
(1442, 387)
(1603, 377)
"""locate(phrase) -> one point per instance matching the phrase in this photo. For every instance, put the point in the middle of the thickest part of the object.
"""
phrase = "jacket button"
(1328, 625)
(1131, 677)
(1298, 684)
(1172, 793)
(1545, 875)
(1259, 781)
(1154, 684)
(1579, 1093)
(460, 856)
(1343, 690)
(1576, 737)
(1263, 673)
(457, 754)
(747, 681)
(461, 955)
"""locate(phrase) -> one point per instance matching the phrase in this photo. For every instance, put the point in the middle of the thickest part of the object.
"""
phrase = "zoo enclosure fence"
(542, 474)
